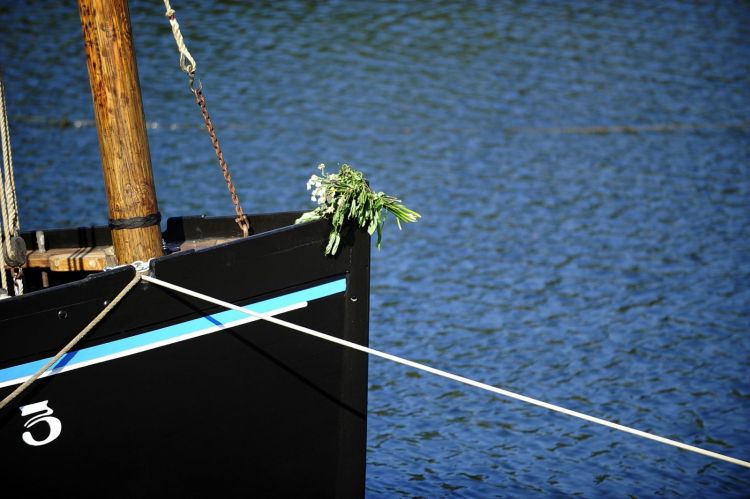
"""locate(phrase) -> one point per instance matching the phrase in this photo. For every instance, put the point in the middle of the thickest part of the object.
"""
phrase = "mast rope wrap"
(135, 222)
(12, 246)
(188, 65)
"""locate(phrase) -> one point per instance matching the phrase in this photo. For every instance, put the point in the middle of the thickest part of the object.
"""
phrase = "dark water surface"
(583, 172)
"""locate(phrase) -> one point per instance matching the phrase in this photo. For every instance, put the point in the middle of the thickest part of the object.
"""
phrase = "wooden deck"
(92, 259)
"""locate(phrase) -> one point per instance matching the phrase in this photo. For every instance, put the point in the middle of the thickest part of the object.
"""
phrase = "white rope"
(445, 374)
(9, 224)
(187, 63)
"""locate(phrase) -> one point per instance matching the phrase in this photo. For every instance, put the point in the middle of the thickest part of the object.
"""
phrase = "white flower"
(314, 181)
(320, 191)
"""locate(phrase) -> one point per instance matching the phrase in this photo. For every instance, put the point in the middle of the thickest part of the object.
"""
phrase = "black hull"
(190, 407)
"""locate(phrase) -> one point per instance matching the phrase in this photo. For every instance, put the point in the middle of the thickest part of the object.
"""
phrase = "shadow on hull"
(170, 395)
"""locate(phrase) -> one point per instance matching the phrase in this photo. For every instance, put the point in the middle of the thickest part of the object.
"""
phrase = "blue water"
(583, 172)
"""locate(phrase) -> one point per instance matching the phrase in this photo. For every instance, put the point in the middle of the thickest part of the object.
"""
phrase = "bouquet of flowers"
(346, 195)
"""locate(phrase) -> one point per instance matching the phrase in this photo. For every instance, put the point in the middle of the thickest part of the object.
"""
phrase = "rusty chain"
(241, 219)
(188, 65)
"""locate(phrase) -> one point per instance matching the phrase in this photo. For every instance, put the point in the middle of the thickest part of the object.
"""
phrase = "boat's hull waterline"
(171, 395)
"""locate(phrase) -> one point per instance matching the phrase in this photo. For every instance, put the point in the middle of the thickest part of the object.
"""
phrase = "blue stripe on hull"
(170, 334)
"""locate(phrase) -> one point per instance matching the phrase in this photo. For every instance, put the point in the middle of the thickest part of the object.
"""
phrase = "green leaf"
(346, 195)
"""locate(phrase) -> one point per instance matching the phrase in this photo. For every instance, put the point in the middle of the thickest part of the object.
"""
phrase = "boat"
(170, 394)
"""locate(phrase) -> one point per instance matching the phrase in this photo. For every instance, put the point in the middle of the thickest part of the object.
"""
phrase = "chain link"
(241, 219)
(188, 65)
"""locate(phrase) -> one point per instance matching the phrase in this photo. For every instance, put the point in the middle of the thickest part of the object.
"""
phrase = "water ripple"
(582, 171)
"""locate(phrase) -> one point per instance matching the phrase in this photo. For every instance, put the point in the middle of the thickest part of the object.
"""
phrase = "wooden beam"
(96, 258)
(121, 126)
(70, 259)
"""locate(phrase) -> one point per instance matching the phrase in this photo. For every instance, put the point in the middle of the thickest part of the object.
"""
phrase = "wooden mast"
(121, 126)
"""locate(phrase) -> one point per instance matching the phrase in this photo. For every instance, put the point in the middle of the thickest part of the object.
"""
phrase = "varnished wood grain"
(126, 161)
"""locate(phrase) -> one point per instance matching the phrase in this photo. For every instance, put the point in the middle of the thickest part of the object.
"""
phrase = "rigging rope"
(445, 374)
(188, 65)
(371, 351)
(12, 250)
(96, 320)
